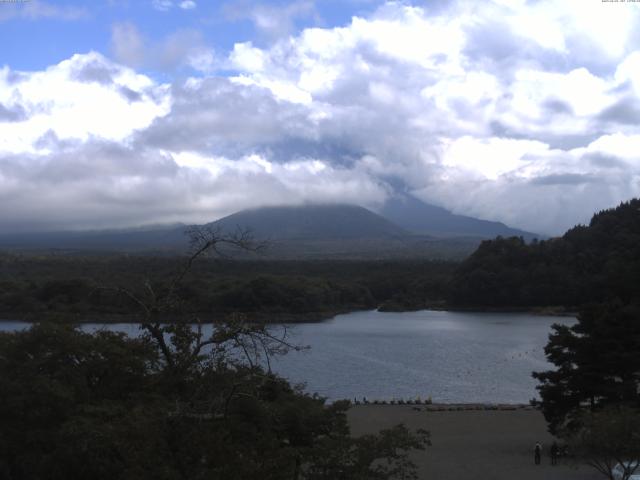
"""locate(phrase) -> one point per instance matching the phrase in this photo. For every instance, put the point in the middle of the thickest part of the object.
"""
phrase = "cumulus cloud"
(523, 112)
(83, 97)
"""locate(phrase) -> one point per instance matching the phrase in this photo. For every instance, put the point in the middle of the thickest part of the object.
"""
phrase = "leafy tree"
(608, 437)
(174, 403)
(597, 364)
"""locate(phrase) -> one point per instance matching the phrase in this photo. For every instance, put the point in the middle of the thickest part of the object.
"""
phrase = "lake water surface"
(449, 356)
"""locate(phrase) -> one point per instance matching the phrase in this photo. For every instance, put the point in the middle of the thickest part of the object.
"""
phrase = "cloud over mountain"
(523, 112)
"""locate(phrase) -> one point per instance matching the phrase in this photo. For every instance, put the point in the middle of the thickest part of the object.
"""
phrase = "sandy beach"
(474, 444)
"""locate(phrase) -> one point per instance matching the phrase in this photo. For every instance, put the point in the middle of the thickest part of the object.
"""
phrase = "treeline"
(85, 287)
(588, 264)
(591, 263)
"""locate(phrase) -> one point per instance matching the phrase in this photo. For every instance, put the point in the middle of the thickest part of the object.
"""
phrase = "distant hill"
(338, 232)
(312, 222)
(587, 264)
(299, 232)
(156, 238)
(422, 218)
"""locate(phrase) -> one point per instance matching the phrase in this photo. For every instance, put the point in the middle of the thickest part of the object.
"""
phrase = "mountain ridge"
(317, 221)
(307, 231)
(420, 217)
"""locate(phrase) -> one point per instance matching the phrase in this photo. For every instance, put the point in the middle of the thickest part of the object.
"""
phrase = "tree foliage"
(591, 263)
(607, 438)
(59, 286)
(597, 364)
(174, 403)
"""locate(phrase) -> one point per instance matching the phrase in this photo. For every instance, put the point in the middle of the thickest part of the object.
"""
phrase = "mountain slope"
(312, 222)
(425, 219)
(294, 232)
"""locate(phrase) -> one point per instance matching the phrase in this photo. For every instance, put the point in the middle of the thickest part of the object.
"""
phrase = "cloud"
(538, 130)
(216, 115)
(625, 111)
(12, 114)
(166, 5)
(274, 21)
(182, 48)
(127, 44)
(38, 9)
(564, 179)
(81, 98)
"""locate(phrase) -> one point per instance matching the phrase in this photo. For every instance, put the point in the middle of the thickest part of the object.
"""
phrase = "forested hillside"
(587, 264)
(81, 287)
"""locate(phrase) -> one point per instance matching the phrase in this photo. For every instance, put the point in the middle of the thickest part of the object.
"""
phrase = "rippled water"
(450, 356)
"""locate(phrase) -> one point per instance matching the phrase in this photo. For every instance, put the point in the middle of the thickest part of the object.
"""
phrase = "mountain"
(335, 232)
(317, 222)
(301, 232)
(422, 218)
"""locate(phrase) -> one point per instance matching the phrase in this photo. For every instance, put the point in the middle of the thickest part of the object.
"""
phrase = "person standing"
(555, 450)
(537, 453)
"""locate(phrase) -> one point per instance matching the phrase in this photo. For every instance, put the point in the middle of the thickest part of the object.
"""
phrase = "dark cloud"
(494, 41)
(96, 70)
(557, 106)
(15, 113)
(130, 95)
(569, 141)
(51, 141)
(220, 117)
(14, 77)
(494, 45)
(76, 162)
(562, 141)
(606, 161)
(564, 179)
(625, 111)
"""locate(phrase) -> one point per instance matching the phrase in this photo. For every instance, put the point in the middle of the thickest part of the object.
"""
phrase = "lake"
(448, 356)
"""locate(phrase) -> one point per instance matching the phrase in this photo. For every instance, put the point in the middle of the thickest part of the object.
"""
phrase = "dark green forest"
(76, 287)
(591, 263)
(107, 406)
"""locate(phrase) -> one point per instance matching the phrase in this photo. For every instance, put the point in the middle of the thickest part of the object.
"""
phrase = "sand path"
(474, 445)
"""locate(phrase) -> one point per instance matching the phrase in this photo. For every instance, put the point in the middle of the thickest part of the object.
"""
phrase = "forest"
(589, 263)
(80, 287)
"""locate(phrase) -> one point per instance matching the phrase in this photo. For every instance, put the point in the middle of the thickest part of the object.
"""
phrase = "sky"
(118, 113)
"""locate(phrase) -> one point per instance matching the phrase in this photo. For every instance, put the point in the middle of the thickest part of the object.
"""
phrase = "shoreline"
(550, 310)
(267, 317)
(206, 318)
(451, 407)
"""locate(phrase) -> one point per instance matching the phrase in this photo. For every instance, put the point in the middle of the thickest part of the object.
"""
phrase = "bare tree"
(182, 342)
